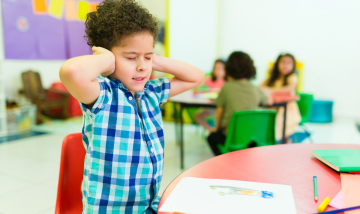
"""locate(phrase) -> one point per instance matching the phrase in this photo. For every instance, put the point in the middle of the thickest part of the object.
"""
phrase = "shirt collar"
(123, 88)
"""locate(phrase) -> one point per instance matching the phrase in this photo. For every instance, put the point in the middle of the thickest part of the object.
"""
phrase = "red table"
(290, 164)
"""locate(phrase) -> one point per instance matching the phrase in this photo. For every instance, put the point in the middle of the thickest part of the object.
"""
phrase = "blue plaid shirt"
(124, 149)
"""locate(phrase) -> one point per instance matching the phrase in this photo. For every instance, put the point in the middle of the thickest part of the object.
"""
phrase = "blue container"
(322, 111)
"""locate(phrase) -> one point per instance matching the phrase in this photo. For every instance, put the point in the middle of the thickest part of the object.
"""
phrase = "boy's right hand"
(100, 50)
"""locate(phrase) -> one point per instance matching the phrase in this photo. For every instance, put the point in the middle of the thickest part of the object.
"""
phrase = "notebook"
(342, 160)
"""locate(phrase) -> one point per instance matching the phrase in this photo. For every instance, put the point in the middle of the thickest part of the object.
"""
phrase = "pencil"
(340, 210)
(315, 189)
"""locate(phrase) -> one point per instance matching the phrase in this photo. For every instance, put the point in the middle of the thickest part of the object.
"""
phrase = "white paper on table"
(194, 196)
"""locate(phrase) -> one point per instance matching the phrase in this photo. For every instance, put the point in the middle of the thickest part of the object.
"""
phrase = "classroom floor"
(29, 167)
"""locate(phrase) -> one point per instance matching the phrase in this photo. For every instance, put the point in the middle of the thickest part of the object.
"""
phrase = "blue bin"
(321, 111)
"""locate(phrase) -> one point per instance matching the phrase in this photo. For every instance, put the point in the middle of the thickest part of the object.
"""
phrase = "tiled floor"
(29, 167)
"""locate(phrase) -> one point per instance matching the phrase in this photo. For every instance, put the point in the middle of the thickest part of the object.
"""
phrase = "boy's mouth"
(139, 79)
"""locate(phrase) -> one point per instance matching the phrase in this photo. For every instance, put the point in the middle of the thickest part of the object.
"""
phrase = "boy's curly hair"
(239, 66)
(116, 19)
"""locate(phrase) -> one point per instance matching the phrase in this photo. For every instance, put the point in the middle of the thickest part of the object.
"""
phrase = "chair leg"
(38, 116)
(307, 133)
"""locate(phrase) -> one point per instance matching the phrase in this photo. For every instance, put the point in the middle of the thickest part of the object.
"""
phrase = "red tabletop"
(290, 164)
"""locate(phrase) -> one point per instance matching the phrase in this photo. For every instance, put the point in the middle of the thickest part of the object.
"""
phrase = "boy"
(122, 125)
(237, 94)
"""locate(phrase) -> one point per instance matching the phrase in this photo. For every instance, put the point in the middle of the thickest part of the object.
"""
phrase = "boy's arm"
(79, 74)
(186, 75)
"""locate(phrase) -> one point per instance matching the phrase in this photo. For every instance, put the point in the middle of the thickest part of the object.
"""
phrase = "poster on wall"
(45, 29)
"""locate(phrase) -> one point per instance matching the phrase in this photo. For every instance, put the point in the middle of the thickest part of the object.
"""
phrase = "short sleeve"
(161, 88)
(263, 97)
(220, 100)
(104, 96)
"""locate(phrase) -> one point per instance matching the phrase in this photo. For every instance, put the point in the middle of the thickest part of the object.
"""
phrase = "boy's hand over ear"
(155, 60)
(186, 75)
(100, 50)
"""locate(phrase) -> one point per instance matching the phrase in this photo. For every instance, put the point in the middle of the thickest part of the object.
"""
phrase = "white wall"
(323, 34)
(193, 32)
(156, 7)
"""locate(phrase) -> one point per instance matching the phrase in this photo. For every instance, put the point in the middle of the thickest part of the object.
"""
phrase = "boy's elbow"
(201, 77)
(66, 72)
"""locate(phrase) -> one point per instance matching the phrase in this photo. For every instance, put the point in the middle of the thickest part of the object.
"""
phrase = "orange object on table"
(351, 191)
(285, 164)
(283, 97)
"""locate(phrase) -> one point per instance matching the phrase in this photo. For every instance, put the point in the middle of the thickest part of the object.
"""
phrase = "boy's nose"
(141, 67)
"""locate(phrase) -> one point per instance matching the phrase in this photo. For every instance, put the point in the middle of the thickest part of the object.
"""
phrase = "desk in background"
(187, 100)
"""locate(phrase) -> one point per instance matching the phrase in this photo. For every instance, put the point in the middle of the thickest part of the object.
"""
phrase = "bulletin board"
(45, 29)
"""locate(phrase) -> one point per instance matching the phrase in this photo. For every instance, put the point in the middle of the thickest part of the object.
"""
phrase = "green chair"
(249, 129)
(305, 104)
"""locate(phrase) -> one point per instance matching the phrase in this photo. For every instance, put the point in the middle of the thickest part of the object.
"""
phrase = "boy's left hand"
(155, 62)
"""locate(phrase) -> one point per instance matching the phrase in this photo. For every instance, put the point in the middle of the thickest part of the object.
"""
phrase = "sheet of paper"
(39, 6)
(337, 201)
(70, 10)
(56, 8)
(83, 10)
(93, 6)
(351, 191)
(213, 196)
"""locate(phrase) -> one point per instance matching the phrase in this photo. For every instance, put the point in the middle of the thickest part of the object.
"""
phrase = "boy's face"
(133, 61)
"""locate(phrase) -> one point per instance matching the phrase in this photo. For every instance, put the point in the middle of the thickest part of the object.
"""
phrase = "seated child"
(122, 125)
(217, 78)
(284, 80)
(237, 94)
(215, 83)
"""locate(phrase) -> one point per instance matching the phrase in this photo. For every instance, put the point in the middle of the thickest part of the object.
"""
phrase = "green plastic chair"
(249, 127)
(305, 104)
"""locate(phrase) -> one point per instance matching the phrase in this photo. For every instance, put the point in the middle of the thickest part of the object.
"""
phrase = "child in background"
(217, 78)
(237, 94)
(215, 83)
(284, 80)
(122, 125)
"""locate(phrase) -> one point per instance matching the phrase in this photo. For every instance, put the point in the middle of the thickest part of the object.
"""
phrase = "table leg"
(181, 138)
(284, 125)
(176, 122)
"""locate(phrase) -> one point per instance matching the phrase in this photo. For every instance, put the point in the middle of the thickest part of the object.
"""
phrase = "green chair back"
(246, 127)
(305, 104)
